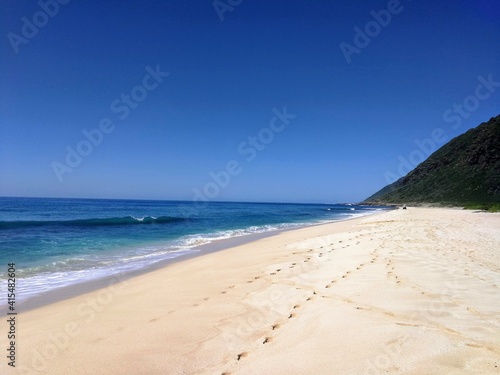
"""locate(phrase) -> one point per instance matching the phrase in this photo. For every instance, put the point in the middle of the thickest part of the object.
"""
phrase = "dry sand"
(404, 292)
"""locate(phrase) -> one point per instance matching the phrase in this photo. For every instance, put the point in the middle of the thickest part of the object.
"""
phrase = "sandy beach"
(402, 292)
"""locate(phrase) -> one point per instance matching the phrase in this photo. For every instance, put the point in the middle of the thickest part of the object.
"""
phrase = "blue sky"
(350, 127)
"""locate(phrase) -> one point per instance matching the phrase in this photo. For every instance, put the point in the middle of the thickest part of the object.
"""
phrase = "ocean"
(60, 242)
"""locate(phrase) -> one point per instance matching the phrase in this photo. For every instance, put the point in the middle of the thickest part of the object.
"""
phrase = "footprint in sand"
(206, 299)
(275, 327)
(407, 324)
(291, 316)
(223, 292)
(296, 307)
(266, 340)
(241, 355)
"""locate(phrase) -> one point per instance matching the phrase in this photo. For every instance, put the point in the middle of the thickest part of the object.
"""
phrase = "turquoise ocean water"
(59, 242)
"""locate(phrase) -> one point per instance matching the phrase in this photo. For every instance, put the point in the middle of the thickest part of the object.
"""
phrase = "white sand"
(404, 292)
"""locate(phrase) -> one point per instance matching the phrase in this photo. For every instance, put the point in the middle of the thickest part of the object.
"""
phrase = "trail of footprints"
(269, 336)
(309, 253)
(293, 313)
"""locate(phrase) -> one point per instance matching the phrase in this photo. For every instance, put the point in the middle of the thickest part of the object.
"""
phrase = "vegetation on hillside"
(463, 172)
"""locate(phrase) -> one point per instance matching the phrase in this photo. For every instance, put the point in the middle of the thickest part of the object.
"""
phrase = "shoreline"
(401, 291)
(87, 286)
(69, 291)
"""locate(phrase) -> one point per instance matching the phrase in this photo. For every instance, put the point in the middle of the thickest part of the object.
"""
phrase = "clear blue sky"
(354, 121)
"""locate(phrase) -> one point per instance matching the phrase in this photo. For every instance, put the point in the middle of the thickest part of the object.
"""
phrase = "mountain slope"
(464, 171)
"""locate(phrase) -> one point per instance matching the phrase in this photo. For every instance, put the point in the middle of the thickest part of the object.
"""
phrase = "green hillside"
(465, 172)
